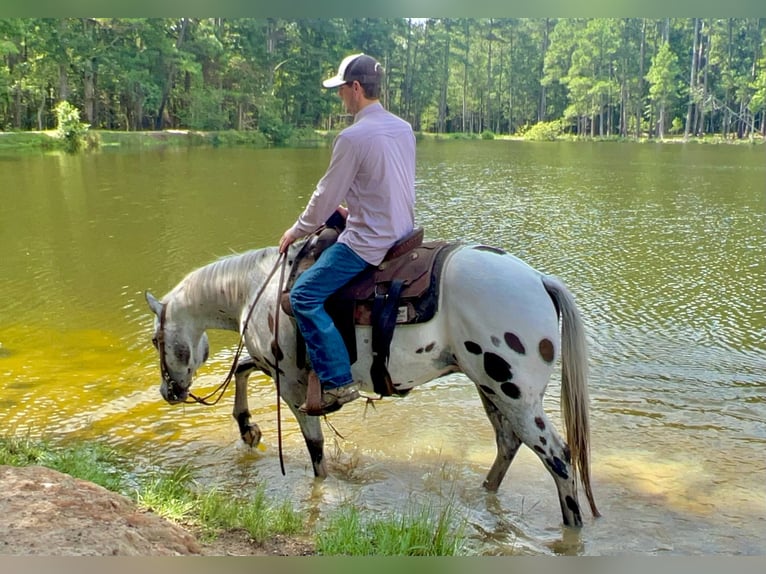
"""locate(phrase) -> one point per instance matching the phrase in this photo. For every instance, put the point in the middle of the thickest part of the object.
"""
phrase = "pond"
(662, 245)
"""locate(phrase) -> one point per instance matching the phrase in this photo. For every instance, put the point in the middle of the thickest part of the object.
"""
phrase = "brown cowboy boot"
(320, 402)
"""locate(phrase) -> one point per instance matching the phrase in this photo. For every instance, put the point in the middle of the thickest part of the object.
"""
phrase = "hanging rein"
(221, 389)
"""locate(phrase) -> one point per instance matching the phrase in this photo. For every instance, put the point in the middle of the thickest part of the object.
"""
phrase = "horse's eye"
(155, 344)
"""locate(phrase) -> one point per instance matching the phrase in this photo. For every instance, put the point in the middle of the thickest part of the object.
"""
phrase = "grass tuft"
(419, 531)
(89, 461)
(175, 496)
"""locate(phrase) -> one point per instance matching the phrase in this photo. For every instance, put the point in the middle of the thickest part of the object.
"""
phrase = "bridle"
(221, 389)
(159, 341)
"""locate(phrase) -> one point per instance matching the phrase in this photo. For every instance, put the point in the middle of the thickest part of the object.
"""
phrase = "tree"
(663, 84)
(444, 75)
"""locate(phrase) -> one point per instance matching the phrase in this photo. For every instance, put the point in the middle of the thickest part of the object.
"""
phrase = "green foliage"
(169, 494)
(21, 451)
(463, 136)
(444, 75)
(70, 129)
(271, 123)
(262, 520)
(175, 496)
(205, 110)
(305, 137)
(663, 76)
(250, 138)
(89, 461)
(487, 135)
(420, 531)
(544, 131)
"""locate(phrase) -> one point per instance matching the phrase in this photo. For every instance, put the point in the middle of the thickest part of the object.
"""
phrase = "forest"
(593, 77)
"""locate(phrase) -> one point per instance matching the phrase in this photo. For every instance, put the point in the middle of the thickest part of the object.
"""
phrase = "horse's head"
(182, 346)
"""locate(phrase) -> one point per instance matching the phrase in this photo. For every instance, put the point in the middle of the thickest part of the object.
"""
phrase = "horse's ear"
(154, 305)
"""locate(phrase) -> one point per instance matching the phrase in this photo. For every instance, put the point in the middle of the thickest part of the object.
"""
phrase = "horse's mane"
(225, 275)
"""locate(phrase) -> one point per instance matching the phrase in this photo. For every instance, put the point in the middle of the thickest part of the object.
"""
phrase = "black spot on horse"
(430, 346)
(495, 341)
(539, 449)
(558, 466)
(543, 441)
(546, 350)
(515, 343)
(497, 367)
(276, 351)
(182, 352)
(473, 348)
(511, 390)
(487, 390)
(572, 505)
(419, 351)
(540, 423)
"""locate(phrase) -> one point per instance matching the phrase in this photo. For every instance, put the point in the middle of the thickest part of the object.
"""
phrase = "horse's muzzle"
(173, 393)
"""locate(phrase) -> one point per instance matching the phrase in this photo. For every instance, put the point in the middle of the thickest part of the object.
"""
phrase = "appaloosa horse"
(497, 321)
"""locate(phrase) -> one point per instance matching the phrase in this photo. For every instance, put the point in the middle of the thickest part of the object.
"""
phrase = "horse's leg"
(507, 443)
(248, 430)
(540, 435)
(504, 334)
(294, 393)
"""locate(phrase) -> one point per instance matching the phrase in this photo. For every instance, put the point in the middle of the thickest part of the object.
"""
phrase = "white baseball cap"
(360, 67)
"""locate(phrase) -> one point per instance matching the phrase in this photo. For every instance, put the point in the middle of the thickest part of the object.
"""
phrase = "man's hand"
(287, 238)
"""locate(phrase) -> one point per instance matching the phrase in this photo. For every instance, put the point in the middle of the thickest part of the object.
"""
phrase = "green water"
(663, 246)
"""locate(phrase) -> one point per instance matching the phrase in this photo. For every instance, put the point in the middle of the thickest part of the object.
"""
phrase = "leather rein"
(221, 389)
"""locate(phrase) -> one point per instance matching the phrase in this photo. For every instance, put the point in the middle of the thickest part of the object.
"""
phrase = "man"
(372, 171)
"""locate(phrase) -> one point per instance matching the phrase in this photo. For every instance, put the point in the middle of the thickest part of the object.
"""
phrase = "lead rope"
(276, 359)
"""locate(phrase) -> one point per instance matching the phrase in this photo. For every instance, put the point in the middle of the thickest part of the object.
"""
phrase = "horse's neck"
(216, 294)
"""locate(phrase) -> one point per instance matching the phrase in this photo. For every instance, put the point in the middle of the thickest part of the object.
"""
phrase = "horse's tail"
(574, 382)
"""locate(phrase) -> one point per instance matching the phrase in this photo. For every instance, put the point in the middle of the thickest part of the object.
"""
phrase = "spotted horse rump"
(499, 321)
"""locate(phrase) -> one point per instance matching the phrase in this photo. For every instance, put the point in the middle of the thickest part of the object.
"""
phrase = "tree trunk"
(63, 82)
(442, 123)
(158, 124)
(692, 81)
(541, 110)
(511, 127)
(704, 58)
(465, 72)
(407, 92)
(640, 95)
(89, 91)
(488, 117)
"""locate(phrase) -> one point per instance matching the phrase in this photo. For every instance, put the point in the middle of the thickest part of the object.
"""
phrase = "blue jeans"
(336, 266)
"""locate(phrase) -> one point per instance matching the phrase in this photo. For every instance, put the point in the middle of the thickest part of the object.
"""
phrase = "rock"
(45, 512)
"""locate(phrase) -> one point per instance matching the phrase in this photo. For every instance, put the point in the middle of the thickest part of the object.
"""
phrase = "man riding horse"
(372, 171)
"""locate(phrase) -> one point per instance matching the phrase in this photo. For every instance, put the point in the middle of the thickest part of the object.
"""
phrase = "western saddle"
(402, 289)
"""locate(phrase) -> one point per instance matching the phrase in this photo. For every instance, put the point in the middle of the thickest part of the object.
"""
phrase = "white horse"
(497, 322)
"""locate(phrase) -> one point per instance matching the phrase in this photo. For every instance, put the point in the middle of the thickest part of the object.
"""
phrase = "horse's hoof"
(252, 436)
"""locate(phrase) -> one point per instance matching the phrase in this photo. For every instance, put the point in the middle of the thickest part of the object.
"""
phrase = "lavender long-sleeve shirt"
(372, 170)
